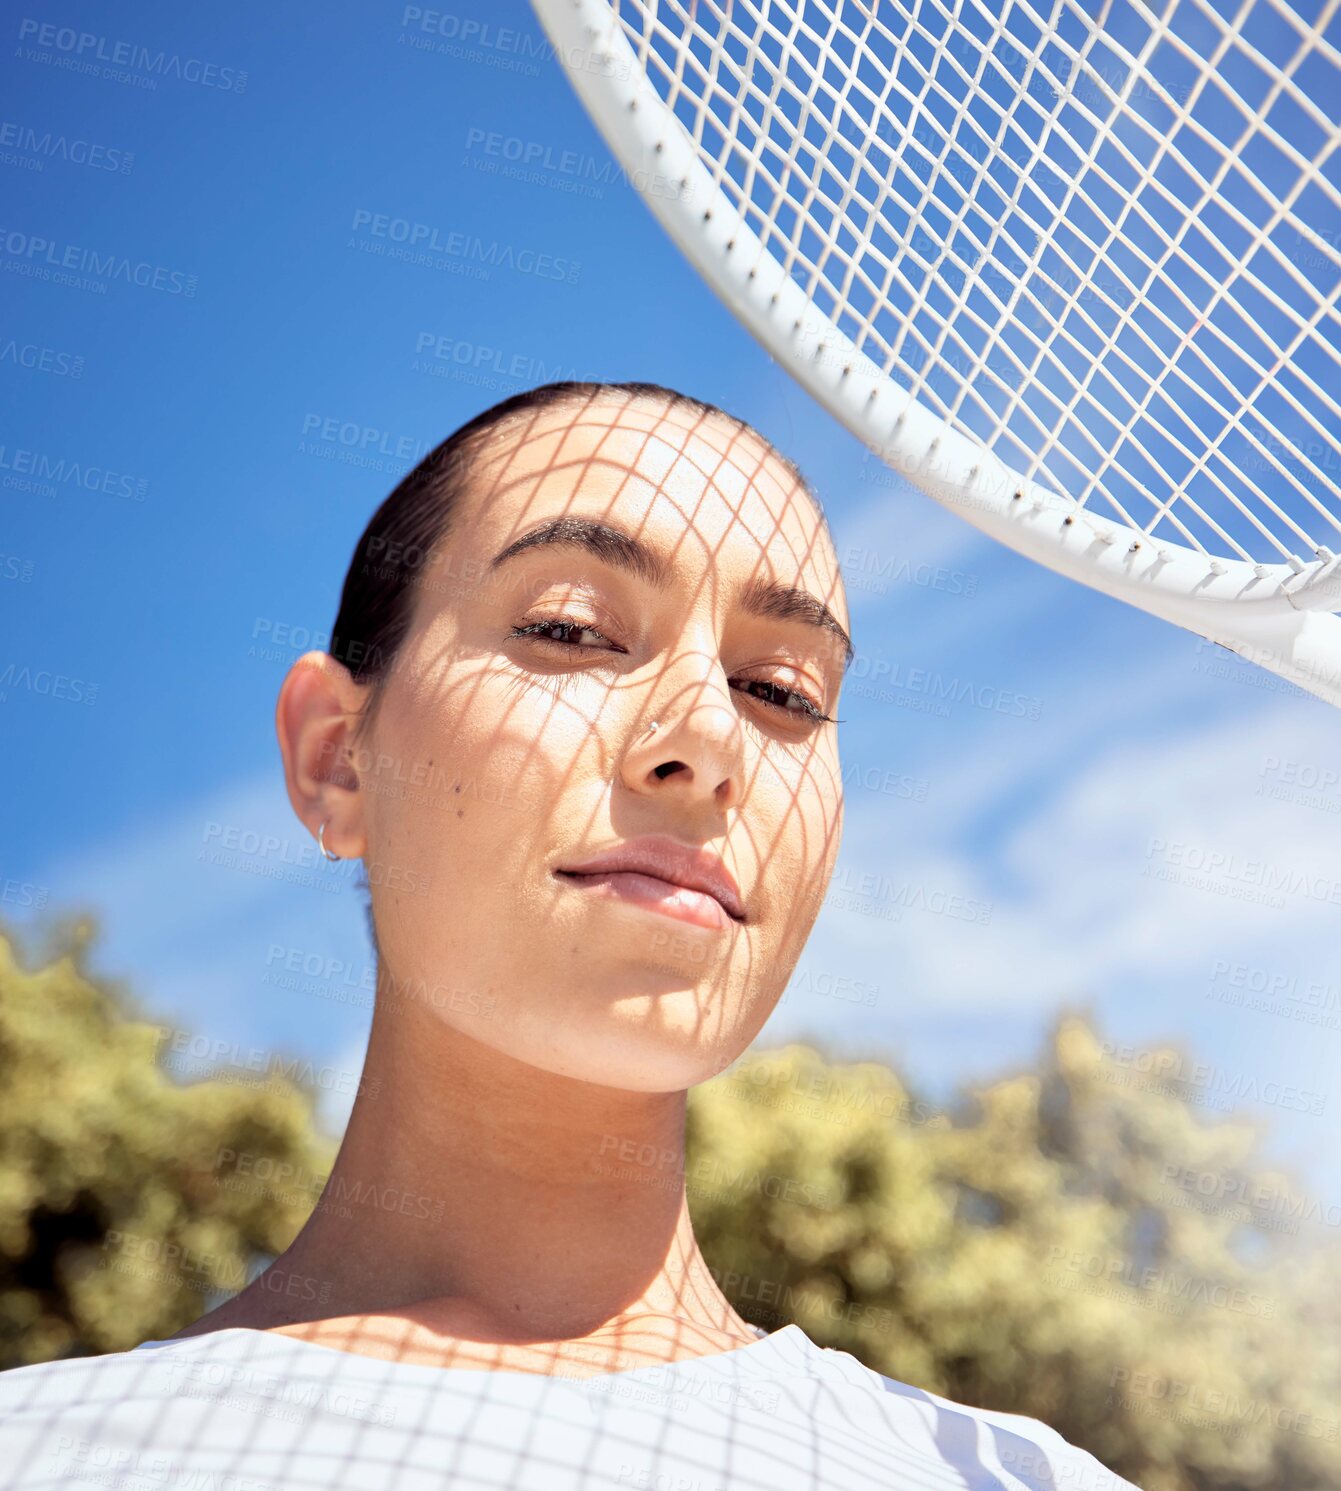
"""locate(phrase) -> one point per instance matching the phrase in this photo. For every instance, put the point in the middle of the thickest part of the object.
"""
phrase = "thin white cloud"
(1097, 880)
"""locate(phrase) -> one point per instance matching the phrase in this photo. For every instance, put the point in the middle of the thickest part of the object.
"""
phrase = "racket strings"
(1107, 251)
(916, 387)
(1208, 195)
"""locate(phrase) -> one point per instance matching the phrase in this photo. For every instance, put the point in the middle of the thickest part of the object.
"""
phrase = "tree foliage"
(1075, 1243)
(114, 1225)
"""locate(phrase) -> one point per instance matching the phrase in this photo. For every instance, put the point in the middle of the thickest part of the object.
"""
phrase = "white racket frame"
(1275, 615)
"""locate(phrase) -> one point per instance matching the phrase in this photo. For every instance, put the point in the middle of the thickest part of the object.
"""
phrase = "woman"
(605, 624)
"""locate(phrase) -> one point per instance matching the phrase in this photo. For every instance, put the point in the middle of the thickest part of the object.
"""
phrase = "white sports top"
(248, 1410)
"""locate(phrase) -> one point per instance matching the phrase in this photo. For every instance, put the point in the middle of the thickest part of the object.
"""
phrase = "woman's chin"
(670, 1052)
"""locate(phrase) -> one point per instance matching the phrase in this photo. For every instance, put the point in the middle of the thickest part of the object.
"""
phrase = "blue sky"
(188, 455)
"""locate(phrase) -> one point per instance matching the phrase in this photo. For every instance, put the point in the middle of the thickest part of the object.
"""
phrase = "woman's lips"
(637, 889)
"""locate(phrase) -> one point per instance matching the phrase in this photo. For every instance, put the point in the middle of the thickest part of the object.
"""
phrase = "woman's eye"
(543, 629)
(790, 701)
(561, 631)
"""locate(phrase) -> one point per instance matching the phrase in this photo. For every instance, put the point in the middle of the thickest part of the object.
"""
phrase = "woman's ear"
(318, 706)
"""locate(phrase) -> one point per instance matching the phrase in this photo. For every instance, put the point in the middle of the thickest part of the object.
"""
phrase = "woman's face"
(513, 743)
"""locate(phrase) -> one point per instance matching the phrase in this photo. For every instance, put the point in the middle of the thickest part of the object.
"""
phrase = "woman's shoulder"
(983, 1440)
(1031, 1450)
(67, 1377)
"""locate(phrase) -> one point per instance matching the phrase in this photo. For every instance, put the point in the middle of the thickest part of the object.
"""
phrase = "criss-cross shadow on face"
(616, 564)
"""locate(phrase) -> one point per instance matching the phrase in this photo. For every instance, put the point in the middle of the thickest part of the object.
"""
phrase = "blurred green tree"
(1076, 1244)
(118, 1223)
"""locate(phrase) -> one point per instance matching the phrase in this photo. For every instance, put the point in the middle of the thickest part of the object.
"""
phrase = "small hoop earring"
(321, 842)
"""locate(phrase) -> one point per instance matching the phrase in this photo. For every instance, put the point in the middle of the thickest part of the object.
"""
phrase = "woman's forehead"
(678, 478)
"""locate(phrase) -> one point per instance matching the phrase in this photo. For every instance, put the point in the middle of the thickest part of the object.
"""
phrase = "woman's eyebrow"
(761, 597)
(603, 540)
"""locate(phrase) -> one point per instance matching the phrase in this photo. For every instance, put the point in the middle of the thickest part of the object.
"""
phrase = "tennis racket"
(1074, 276)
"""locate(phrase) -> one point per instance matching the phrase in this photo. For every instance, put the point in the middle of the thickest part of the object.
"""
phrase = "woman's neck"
(479, 1204)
